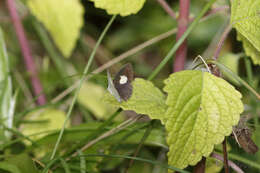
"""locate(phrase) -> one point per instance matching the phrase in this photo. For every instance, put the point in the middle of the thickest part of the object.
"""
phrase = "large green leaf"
(246, 19)
(63, 19)
(201, 111)
(122, 7)
(21, 163)
(145, 99)
(9, 167)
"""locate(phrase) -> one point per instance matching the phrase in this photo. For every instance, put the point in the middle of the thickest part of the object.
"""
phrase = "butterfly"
(121, 87)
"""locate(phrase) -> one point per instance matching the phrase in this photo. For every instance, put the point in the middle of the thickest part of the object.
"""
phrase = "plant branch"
(230, 163)
(80, 84)
(179, 42)
(30, 65)
(167, 8)
(183, 22)
(221, 41)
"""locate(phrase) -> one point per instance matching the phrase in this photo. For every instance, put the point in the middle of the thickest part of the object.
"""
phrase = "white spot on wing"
(123, 79)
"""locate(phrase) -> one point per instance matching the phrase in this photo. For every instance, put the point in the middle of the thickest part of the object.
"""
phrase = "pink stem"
(230, 163)
(167, 8)
(30, 65)
(183, 21)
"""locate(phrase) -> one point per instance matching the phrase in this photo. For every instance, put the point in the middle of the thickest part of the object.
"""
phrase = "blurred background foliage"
(34, 129)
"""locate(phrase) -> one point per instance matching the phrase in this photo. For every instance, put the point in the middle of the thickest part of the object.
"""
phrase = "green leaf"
(202, 109)
(213, 165)
(42, 120)
(9, 167)
(21, 163)
(122, 7)
(145, 99)
(245, 17)
(63, 19)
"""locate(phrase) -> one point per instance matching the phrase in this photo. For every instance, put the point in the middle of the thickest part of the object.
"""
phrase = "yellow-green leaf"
(63, 19)
(122, 7)
(202, 109)
(250, 49)
(90, 96)
(43, 120)
(245, 19)
(145, 99)
(213, 165)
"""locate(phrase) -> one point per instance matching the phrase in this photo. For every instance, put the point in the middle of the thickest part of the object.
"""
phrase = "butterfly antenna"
(204, 62)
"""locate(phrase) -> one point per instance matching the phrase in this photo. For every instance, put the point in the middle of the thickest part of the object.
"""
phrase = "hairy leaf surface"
(201, 111)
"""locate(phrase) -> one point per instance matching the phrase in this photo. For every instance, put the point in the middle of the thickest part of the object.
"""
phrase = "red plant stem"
(30, 65)
(224, 145)
(183, 22)
(167, 8)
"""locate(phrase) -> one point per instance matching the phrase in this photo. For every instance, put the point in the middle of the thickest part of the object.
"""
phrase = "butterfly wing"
(122, 82)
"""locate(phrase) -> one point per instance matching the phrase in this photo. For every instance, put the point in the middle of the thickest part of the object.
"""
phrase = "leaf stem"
(179, 42)
(183, 22)
(221, 41)
(80, 84)
(30, 65)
